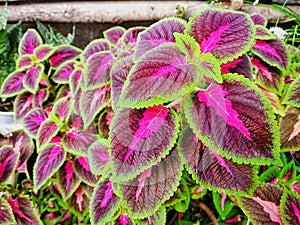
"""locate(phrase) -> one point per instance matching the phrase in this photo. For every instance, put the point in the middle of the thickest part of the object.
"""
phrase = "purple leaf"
(62, 108)
(119, 73)
(98, 156)
(161, 75)
(68, 181)
(213, 171)
(131, 35)
(263, 33)
(97, 72)
(272, 51)
(63, 73)
(91, 102)
(30, 40)
(160, 217)
(104, 121)
(240, 66)
(222, 32)
(8, 162)
(46, 132)
(24, 211)
(24, 62)
(95, 46)
(62, 54)
(104, 203)
(83, 170)
(292, 97)
(147, 192)
(24, 146)
(236, 121)
(23, 104)
(77, 97)
(40, 97)
(48, 162)
(6, 214)
(33, 120)
(158, 33)
(113, 34)
(74, 81)
(290, 208)
(13, 84)
(32, 78)
(140, 138)
(43, 52)
(258, 19)
(263, 207)
(79, 201)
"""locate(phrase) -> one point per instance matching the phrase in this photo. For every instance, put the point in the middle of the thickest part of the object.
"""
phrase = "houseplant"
(146, 119)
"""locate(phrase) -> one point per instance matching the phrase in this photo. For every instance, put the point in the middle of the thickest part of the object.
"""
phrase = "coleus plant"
(120, 125)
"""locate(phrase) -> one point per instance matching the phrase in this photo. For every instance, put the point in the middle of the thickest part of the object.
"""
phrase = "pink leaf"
(255, 62)
(16, 210)
(296, 211)
(69, 173)
(79, 197)
(142, 178)
(107, 195)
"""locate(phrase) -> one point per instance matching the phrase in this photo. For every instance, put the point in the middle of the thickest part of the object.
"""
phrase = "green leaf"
(223, 208)
(3, 17)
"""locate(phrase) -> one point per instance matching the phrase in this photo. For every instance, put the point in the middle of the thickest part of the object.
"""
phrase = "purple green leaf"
(287, 174)
(189, 46)
(77, 97)
(235, 120)
(40, 97)
(264, 206)
(83, 170)
(140, 138)
(62, 54)
(79, 201)
(98, 156)
(209, 68)
(24, 62)
(124, 220)
(13, 84)
(104, 203)
(131, 35)
(104, 122)
(114, 34)
(22, 105)
(290, 208)
(63, 72)
(292, 97)
(97, 70)
(48, 162)
(263, 33)
(95, 46)
(74, 80)
(258, 19)
(160, 76)
(33, 120)
(6, 214)
(32, 78)
(224, 29)
(9, 159)
(30, 40)
(62, 108)
(240, 66)
(91, 102)
(157, 34)
(46, 132)
(160, 217)
(43, 52)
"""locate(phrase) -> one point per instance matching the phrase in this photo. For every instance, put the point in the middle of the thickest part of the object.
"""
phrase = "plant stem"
(211, 215)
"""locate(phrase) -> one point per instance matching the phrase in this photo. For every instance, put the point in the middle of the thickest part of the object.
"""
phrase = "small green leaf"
(4, 17)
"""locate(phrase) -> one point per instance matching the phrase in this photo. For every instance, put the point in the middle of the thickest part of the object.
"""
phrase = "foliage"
(145, 121)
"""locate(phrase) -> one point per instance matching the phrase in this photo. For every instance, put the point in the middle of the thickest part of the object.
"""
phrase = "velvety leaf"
(290, 208)
(145, 193)
(24, 211)
(263, 207)
(219, 37)
(79, 201)
(130, 36)
(98, 156)
(32, 78)
(158, 33)
(76, 122)
(24, 62)
(6, 215)
(104, 203)
(258, 19)
(62, 108)
(140, 138)
(270, 175)
(104, 121)
(160, 217)
(91, 102)
(62, 54)
(287, 174)
(161, 75)
(24, 146)
(189, 46)
(63, 72)
(33, 120)
(292, 97)
(236, 121)
(68, 181)
(97, 70)
(48, 162)
(40, 97)
(289, 130)
(43, 52)
(123, 219)
(77, 97)
(275, 102)
(9, 159)
(75, 80)
(119, 73)
(213, 171)
(239, 65)
(209, 68)
(113, 34)
(30, 40)
(83, 170)
(13, 84)
(95, 46)
(22, 105)
(263, 33)
(222, 204)
(272, 51)
(46, 132)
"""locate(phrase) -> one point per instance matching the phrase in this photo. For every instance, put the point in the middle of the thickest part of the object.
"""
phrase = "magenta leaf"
(62, 54)
(6, 214)
(33, 120)
(83, 170)
(158, 33)
(263, 207)
(104, 203)
(32, 78)
(48, 162)
(68, 181)
(235, 120)
(46, 132)
(63, 72)
(95, 46)
(130, 36)
(79, 201)
(97, 70)
(22, 105)
(161, 75)
(40, 97)
(24, 146)
(258, 19)
(119, 73)
(98, 156)
(241, 66)
(75, 80)
(213, 171)
(43, 52)
(24, 62)
(114, 34)
(30, 40)
(263, 33)
(148, 191)
(140, 138)
(24, 211)
(9, 159)
(13, 84)
(272, 51)
(290, 208)
(91, 102)
(62, 108)
(219, 38)
(292, 97)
